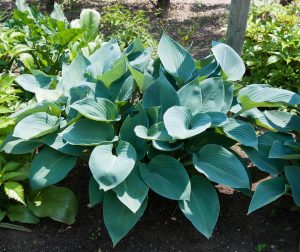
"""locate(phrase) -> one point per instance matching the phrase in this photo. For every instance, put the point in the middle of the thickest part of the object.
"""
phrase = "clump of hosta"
(163, 124)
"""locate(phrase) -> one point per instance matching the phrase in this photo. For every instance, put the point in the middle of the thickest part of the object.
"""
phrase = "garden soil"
(163, 227)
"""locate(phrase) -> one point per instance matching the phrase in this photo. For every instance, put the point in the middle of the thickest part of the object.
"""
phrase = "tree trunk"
(164, 5)
(237, 24)
(285, 2)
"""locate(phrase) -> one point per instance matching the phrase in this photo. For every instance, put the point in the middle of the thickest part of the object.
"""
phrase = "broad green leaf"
(58, 203)
(208, 137)
(123, 88)
(292, 174)
(32, 83)
(176, 60)
(118, 219)
(181, 124)
(203, 207)
(87, 132)
(22, 214)
(166, 146)
(259, 95)
(133, 190)
(10, 166)
(90, 21)
(36, 125)
(27, 60)
(49, 167)
(74, 73)
(161, 93)
(155, 132)
(103, 59)
(262, 161)
(280, 151)
(14, 190)
(221, 166)
(15, 145)
(190, 96)
(213, 95)
(267, 192)
(101, 110)
(167, 177)
(65, 37)
(127, 131)
(242, 132)
(56, 142)
(230, 62)
(228, 96)
(283, 121)
(218, 119)
(110, 170)
(96, 195)
(268, 138)
(143, 80)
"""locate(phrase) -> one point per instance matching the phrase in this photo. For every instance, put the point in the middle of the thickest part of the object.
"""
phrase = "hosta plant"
(165, 124)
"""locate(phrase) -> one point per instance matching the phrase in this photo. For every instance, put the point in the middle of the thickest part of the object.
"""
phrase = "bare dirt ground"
(163, 227)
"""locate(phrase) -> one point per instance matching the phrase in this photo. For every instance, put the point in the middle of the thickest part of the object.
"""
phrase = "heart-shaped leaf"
(221, 166)
(181, 124)
(203, 207)
(166, 176)
(155, 132)
(110, 170)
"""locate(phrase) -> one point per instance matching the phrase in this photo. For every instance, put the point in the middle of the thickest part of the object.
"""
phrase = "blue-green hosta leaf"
(260, 95)
(203, 207)
(155, 132)
(15, 145)
(161, 93)
(21, 214)
(101, 110)
(292, 144)
(228, 96)
(96, 195)
(140, 60)
(123, 88)
(190, 96)
(32, 83)
(292, 174)
(118, 219)
(51, 96)
(143, 80)
(166, 146)
(49, 107)
(283, 121)
(74, 73)
(268, 138)
(242, 132)
(89, 21)
(133, 190)
(88, 132)
(103, 59)
(176, 60)
(218, 118)
(49, 167)
(230, 62)
(208, 137)
(181, 124)
(127, 131)
(262, 161)
(166, 176)
(118, 69)
(213, 95)
(221, 166)
(58, 203)
(267, 192)
(281, 151)
(14, 190)
(36, 125)
(110, 170)
(56, 142)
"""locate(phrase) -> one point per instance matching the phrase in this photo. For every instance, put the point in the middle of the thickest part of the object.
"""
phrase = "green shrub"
(165, 124)
(125, 25)
(272, 46)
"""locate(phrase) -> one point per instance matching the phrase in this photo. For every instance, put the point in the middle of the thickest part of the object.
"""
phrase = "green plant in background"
(272, 45)
(165, 124)
(125, 25)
